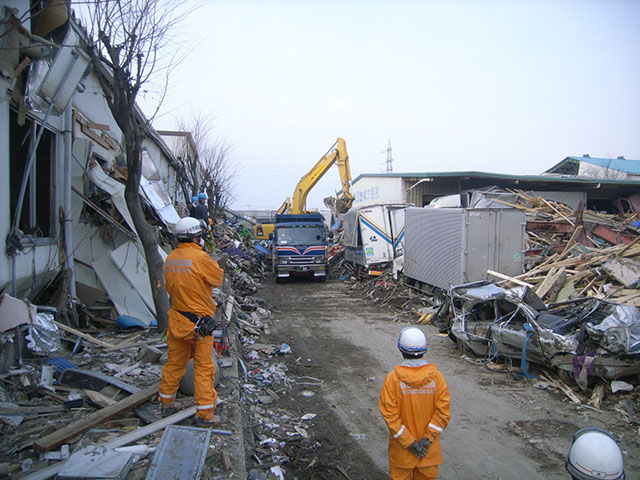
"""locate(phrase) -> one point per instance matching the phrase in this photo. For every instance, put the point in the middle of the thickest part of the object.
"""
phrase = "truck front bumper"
(288, 270)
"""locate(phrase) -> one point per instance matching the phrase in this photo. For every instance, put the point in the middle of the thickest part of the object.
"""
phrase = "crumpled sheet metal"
(620, 331)
(489, 320)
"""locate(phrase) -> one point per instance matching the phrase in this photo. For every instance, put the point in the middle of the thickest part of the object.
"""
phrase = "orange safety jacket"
(415, 403)
(190, 275)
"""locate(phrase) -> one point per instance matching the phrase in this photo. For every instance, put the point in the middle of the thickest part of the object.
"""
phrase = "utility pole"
(389, 159)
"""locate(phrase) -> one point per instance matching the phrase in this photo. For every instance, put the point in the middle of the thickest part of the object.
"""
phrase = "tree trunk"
(146, 232)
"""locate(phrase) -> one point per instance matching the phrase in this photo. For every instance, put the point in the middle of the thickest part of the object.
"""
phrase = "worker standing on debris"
(190, 275)
(192, 207)
(414, 403)
(201, 210)
(594, 454)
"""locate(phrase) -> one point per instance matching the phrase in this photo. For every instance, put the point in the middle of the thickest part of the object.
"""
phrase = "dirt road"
(501, 427)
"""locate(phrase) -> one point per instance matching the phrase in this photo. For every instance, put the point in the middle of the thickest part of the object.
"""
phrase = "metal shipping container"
(452, 246)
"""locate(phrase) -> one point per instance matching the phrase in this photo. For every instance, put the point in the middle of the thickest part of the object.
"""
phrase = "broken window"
(37, 215)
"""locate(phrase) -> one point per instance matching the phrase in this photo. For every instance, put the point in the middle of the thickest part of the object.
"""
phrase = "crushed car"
(583, 338)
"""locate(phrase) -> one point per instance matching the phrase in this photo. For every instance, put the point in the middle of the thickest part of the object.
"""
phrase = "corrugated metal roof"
(471, 174)
(620, 164)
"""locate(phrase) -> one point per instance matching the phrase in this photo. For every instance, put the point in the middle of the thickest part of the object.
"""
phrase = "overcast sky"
(494, 86)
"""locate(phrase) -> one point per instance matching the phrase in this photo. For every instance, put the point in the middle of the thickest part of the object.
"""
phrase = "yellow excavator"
(337, 154)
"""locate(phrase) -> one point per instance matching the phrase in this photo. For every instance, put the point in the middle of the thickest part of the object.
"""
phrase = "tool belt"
(203, 326)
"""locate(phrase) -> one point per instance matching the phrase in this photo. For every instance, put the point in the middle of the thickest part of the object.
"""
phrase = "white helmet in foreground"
(412, 341)
(594, 454)
(188, 227)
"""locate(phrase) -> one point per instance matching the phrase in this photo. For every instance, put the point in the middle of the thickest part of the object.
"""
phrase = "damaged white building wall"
(31, 256)
(108, 259)
(374, 189)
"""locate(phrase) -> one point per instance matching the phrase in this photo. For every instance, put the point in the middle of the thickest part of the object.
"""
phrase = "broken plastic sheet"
(160, 201)
(44, 335)
(113, 188)
(155, 191)
(620, 331)
(487, 198)
(14, 312)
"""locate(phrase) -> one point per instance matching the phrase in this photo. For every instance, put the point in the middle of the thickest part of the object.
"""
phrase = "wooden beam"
(511, 279)
(27, 411)
(84, 336)
(548, 283)
(74, 429)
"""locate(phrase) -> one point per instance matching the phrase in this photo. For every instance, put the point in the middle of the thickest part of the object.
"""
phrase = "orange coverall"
(414, 403)
(190, 275)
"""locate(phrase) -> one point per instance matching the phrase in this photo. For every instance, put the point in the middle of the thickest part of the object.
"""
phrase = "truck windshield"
(302, 235)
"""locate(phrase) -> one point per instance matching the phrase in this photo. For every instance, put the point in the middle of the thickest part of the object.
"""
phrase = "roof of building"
(620, 164)
(472, 174)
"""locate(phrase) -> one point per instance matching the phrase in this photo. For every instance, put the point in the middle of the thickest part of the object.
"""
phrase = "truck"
(446, 247)
(374, 236)
(299, 246)
(296, 204)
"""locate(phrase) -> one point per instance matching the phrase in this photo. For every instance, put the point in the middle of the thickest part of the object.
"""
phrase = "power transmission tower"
(389, 159)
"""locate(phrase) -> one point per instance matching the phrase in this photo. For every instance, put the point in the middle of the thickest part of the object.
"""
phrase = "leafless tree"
(218, 171)
(611, 173)
(212, 170)
(129, 36)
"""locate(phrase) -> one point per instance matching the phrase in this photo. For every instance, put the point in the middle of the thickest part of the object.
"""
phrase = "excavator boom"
(337, 154)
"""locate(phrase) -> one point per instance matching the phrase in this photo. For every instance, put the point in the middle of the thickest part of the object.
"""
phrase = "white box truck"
(445, 247)
(374, 235)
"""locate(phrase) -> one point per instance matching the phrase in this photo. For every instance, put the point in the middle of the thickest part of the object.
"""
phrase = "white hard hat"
(188, 227)
(412, 341)
(593, 455)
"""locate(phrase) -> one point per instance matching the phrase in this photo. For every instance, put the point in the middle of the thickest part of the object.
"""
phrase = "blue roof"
(620, 164)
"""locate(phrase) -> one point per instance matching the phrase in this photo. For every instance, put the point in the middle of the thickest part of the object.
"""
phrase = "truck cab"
(299, 246)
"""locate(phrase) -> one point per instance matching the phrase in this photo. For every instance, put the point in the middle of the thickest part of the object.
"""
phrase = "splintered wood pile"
(572, 254)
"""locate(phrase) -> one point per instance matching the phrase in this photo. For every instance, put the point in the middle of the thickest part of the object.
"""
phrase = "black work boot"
(211, 422)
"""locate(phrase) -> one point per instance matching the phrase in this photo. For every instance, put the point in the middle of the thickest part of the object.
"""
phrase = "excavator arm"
(336, 154)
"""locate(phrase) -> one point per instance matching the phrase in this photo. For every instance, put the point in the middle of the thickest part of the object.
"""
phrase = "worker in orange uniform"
(190, 275)
(414, 403)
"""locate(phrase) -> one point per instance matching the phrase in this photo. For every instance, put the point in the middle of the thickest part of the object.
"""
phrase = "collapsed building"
(63, 169)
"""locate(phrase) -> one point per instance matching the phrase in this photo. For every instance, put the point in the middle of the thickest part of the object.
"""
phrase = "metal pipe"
(68, 230)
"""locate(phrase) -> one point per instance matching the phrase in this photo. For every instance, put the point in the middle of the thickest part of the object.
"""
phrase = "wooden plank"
(548, 282)
(572, 241)
(557, 211)
(65, 434)
(84, 336)
(27, 411)
(511, 279)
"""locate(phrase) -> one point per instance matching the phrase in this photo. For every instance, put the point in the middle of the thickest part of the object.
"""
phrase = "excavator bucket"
(343, 204)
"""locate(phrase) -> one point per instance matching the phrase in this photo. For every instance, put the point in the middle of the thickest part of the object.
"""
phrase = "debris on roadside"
(66, 391)
(574, 309)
